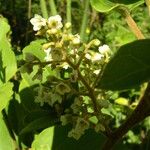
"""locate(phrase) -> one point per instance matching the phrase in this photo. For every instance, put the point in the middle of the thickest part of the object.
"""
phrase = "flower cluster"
(77, 66)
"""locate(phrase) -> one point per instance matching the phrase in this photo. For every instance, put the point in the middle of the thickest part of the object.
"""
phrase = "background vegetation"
(25, 118)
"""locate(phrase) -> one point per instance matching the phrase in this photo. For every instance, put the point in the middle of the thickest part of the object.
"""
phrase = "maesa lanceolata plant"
(76, 68)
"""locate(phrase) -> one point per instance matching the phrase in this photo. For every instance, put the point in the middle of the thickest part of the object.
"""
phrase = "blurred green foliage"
(110, 29)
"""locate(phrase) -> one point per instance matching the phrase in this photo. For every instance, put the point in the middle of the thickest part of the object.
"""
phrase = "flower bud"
(46, 46)
(104, 49)
(56, 54)
(99, 127)
(62, 88)
(52, 31)
(76, 40)
(68, 25)
(96, 42)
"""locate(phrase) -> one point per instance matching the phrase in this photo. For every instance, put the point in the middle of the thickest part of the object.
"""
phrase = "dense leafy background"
(32, 124)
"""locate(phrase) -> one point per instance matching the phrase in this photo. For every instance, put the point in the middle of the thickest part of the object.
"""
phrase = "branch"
(131, 23)
(139, 114)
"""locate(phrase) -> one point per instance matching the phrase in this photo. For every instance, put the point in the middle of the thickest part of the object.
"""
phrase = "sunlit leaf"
(44, 140)
(6, 142)
(108, 5)
(35, 48)
(5, 94)
(7, 55)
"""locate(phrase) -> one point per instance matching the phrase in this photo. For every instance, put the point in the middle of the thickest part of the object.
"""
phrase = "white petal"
(104, 49)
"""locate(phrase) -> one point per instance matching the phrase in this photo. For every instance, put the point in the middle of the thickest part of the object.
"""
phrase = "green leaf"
(35, 48)
(130, 67)
(38, 124)
(108, 5)
(6, 142)
(8, 60)
(90, 140)
(5, 94)
(44, 140)
(57, 139)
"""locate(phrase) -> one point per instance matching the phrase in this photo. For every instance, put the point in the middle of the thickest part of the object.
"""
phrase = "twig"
(140, 113)
(131, 23)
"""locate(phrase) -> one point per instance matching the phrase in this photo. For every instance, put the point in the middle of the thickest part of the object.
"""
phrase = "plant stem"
(43, 8)
(140, 113)
(131, 23)
(52, 7)
(29, 8)
(45, 63)
(69, 12)
(29, 16)
(84, 20)
(83, 54)
(90, 90)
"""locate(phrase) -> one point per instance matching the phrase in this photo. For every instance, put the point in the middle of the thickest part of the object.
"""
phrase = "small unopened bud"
(57, 54)
(99, 127)
(87, 31)
(46, 46)
(58, 45)
(96, 42)
(76, 40)
(52, 31)
(68, 25)
(104, 103)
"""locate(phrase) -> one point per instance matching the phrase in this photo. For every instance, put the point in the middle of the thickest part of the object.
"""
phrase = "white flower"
(88, 56)
(104, 49)
(73, 51)
(38, 22)
(54, 22)
(76, 39)
(48, 56)
(97, 57)
(96, 71)
(65, 65)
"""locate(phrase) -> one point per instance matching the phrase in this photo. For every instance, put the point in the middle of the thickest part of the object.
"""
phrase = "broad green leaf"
(35, 48)
(89, 141)
(108, 5)
(103, 5)
(5, 94)
(6, 142)
(130, 67)
(38, 124)
(44, 140)
(8, 61)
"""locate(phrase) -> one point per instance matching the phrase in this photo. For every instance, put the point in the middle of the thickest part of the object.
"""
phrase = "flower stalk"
(84, 20)
(52, 7)
(43, 8)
